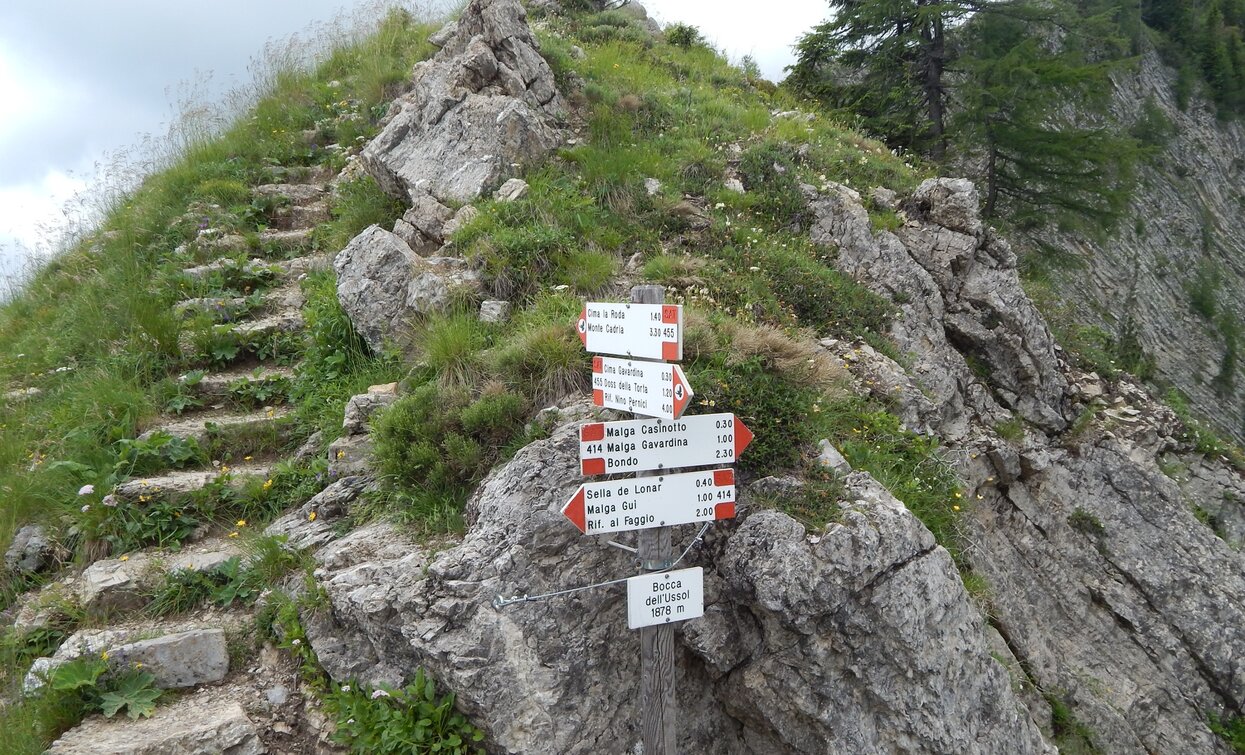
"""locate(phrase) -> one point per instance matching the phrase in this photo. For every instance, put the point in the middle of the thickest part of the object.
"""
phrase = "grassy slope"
(757, 293)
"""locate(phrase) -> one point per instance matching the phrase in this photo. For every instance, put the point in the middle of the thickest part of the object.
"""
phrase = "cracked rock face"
(863, 640)
(1104, 585)
(484, 104)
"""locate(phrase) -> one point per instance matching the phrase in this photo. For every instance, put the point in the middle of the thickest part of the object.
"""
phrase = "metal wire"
(500, 602)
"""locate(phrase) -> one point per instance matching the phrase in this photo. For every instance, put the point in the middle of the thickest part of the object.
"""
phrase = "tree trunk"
(992, 180)
(933, 56)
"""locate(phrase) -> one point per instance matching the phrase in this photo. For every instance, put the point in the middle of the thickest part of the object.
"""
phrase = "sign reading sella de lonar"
(646, 444)
(654, 389)
(643, 502)
(640, 331)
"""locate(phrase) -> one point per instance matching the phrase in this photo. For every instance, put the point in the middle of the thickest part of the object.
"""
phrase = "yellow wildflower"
(241, 522)
(233, 534)
(103, 656)
(311, 517)
(341, 454)
(124, 558)
(246, 458)
(267, 484)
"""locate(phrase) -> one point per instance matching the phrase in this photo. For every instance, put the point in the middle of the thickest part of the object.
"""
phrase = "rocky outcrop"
(30, 552)
(484, 105)
(1104, 585)
(859, 639)
(1184, 235)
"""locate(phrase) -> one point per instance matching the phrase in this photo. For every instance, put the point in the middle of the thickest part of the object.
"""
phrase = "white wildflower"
(86, 489)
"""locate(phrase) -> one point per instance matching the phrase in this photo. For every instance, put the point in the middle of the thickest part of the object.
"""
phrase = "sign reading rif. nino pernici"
(639, 331)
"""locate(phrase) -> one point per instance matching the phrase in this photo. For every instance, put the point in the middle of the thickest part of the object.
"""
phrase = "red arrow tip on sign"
(574, 510)
(743, 436)
(682, 391)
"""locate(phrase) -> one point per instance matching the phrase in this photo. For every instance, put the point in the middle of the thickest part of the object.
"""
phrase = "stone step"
(210, 721)
(218, 308)
(275, 241)
(180, 483)
(293, 193)
(268, 425)
(176, 659)
(231, 272)
(223, 386)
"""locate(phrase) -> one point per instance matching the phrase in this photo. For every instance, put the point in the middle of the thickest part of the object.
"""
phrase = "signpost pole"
(657, 699)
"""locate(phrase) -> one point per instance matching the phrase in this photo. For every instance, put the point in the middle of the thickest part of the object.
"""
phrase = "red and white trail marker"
(645, 444)
(654, 389)
(640, 331)
(643, 502)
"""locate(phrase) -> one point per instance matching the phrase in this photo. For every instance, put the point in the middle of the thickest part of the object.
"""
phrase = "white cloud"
(766, 31)
(32, 214)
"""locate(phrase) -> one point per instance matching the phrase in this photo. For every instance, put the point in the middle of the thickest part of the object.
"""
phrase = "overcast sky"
(84, 80)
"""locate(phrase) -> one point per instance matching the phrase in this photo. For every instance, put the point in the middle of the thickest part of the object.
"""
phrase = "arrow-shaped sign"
(654, 389)
(641, 331)
(643, 444)
(642, 502)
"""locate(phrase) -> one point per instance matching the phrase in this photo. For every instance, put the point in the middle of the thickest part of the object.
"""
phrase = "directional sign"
(639, 503)
(643, 444)
(653, 389)
(643, 331)
(665, 597)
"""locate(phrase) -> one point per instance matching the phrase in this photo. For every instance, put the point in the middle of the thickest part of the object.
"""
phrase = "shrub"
(683, 35)
(400, 721)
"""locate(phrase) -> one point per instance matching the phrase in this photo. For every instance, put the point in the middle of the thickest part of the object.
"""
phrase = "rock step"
(176, 659)
(221, 386)
(285, 241)
(262, 426)
(208, 722)
(296, 193)
(257, 269)
(218, 308)
(179, 483)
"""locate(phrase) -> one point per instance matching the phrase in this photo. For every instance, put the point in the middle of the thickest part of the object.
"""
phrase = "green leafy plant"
(133, 692)
(260, 390)
(1231, 729)
(158, 451)
(409, 720)
(130, 526)
(89, 684)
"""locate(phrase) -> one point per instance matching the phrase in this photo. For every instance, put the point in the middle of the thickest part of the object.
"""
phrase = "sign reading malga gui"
(641, 331)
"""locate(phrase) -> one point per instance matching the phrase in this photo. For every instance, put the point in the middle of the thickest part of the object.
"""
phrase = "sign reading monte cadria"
(665, 596)
(643, 502)
(654, 389)
(642, 331)
(646, 444)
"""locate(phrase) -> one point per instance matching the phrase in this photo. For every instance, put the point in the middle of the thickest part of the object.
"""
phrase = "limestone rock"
(512, 190)
(193, 725)
(830, 458)
(878, 611)
(492, 310)
(652, 187)
(423, 224)
(484, 104)
(465, 215)
(951, 203)
(434, 281)
(114, 584)
(373, 273)
(735, 185)
(350, 455)
(302, 531)
(360, 408)
(30, 552)
(185, 659)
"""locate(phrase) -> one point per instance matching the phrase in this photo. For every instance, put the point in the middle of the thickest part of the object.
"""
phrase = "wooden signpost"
(663, 451)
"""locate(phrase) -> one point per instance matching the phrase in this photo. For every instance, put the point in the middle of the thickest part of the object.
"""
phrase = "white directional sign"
(643, 502)
(665, 597)
(653, 389)
(643, 444)
(642, 331)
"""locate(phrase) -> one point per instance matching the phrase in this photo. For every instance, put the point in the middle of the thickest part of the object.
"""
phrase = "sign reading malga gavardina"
(645, 444)
(640, 331)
